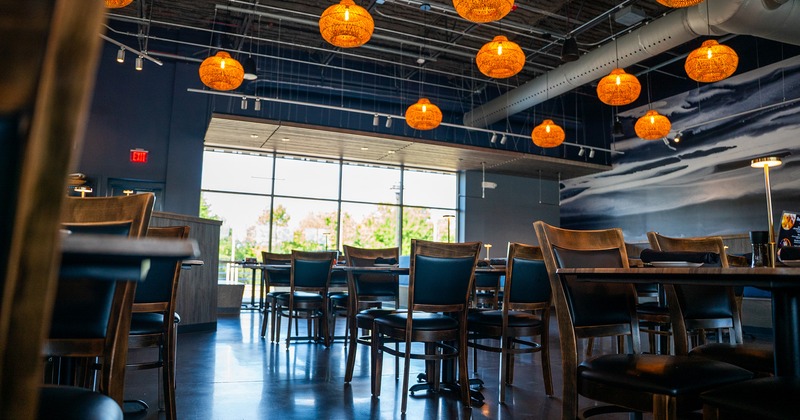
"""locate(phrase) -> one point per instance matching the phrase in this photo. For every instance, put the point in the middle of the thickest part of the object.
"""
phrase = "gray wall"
(507, 213)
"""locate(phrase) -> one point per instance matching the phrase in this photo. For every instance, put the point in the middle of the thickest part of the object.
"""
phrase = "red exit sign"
(139, 155)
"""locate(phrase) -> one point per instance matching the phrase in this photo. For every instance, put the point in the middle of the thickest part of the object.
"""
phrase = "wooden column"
(50, 50)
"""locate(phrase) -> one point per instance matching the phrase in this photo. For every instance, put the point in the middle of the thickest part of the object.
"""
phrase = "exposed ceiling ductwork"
(770, 19)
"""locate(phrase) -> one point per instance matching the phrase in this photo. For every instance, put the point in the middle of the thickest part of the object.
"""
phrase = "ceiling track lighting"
(494, 138)
(139, 63)
(503, 139)
(389, 121)
(257, 105)
(591, 153)
(121, 55)
(581, 152)
(376, 120)
(244, 102)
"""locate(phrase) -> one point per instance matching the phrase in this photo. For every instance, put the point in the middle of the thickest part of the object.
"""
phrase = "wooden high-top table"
(783, 282)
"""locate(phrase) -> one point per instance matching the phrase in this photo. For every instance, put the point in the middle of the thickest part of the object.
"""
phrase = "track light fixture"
(139, 63)
(591, 153)
(376, 120)
(121, 55)
(389, 121)
(503, 139)
(581, 152)
(494, 138)
(257, 105)
(244, 102)
(677, 138)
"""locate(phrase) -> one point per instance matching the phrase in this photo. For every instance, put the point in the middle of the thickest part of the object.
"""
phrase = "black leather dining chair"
(665, 385)
(367, 294)
(695, 309)
(274, 279)
(525, 313)
(440, 282)
(308, 295)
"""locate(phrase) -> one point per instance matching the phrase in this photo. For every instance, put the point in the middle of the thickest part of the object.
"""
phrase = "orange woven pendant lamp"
(548, 134)
(423, 115)
(482, 11)
(618, 88)
(652, 126)
(500, 58)
(711, 62)
(346, 25)
(116, 4)
(221, 72)
(675, 4)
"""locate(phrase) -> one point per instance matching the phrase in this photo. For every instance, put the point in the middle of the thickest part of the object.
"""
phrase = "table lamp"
(766, 163)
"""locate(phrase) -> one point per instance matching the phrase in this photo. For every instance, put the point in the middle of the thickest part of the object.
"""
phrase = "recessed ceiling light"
(254, 136)
(391, 152)
(365, 148)
(285, 139)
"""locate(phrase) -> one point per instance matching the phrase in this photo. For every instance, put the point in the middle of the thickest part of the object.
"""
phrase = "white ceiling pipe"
(764, 18)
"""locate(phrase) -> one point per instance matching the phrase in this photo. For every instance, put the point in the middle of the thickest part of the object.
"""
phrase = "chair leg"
(547, 375)
(463, 378)
(169, 379)
(351, 351)
(406, 365)
(664, 407)
(264, 319)
(377, 362)
(273, 315)
(503, 368)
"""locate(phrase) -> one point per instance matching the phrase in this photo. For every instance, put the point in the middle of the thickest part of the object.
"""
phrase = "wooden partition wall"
(197, 291)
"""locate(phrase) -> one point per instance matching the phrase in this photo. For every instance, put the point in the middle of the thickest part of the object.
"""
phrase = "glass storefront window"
(429, 189)
(237, 172)
(299, 177)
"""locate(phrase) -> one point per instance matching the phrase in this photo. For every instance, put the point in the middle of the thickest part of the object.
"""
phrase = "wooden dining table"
(783, 282)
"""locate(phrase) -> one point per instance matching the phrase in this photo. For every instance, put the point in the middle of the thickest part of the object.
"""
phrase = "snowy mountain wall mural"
(704, 184)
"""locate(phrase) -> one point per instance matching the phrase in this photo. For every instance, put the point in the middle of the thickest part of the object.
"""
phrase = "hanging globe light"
(711, 62)
(679, 3)
(221, 72)
(482, 11)
(423, 115)
(652, 126)
(346, 24)
(500, 58)
(548, 134)
(618, 88)
(116, 4)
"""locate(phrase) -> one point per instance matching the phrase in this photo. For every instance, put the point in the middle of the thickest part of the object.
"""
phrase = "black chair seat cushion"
(147, 323)
(660, 374)
(652, 309)
(423, 321)
(755, 357)
(339, 298)
(72, 403)
(762, 398)
(301, 296)
(495, 319)
(275, 295)
(365, 318)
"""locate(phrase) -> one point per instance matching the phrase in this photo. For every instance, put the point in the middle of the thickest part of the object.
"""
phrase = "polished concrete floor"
(235, 374)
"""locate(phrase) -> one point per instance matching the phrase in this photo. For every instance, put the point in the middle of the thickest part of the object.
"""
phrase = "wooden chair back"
(698, 307)
(441, 276)
(527, 285)
(276, 278)
(587, 310)
(67, 337)
(372, 287)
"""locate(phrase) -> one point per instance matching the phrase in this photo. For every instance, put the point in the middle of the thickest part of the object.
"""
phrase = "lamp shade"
(618, 88)
(250, 69)
(116, 4)
(500, 58)
(679, 3)
(548, 134)
(423, 115)
(221, 72)
(482, 11)
(652, 126)
(346, 25)
(711, 62)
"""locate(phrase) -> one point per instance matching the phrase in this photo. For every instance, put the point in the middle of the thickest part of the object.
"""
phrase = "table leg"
(786, 331)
